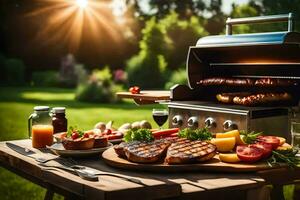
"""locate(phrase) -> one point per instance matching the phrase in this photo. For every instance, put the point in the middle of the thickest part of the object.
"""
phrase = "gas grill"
(256, 55)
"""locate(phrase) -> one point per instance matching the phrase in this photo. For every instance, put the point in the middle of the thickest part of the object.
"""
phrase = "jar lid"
(41, 108)
(58, 110)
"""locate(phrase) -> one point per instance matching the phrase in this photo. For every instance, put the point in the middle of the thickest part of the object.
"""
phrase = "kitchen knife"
(21, 150)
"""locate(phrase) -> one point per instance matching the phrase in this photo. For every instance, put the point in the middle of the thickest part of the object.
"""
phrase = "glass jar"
(40, 127)
(59, 121)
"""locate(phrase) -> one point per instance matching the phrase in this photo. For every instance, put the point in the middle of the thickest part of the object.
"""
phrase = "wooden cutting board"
(112, 159)
(146, 96)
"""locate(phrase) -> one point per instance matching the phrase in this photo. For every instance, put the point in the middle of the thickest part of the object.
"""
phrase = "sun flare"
(69, 21)
(82, 3)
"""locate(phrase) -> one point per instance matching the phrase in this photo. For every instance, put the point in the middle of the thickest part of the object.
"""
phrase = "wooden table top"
(155, 185)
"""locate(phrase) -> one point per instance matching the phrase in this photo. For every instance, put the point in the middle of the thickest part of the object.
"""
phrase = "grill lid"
(275, 54)
(253, 39)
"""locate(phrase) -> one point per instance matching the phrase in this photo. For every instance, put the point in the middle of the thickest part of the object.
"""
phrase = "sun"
(82, 3)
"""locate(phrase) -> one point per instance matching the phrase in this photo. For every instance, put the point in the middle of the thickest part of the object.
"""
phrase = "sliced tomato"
(165, 132)
(273, 140)
(267, 148)
(249, 153)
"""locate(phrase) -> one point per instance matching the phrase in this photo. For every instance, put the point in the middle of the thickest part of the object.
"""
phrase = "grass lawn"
(16, 104)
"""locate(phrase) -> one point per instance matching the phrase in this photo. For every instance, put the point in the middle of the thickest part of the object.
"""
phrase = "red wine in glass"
(160, 116)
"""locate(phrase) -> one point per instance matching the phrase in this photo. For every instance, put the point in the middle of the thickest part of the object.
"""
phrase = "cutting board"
(112, 159)
(146, 96)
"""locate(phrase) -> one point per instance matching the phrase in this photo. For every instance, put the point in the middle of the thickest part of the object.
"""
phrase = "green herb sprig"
(285, 156)
(197, 134)
(139, 135)
(249, 138)
(73, 129)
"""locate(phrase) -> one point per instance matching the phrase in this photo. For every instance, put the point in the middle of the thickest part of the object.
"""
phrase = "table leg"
(261, 193)
(277, 192)
(49, 194)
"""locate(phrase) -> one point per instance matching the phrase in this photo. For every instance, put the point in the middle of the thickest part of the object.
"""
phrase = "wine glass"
(160, 116)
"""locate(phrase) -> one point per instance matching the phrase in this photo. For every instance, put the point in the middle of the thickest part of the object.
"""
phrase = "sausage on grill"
(226, 81)
(261, 98)
(262, 82)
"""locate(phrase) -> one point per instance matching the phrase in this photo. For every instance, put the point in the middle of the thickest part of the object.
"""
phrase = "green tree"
(182, 33)
(147, 68)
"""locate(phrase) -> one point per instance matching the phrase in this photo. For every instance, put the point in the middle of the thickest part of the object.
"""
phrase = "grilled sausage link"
(227, 81)
(267, 82)
(261, 98)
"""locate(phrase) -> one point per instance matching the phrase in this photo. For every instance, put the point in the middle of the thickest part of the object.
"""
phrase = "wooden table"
(155, 185)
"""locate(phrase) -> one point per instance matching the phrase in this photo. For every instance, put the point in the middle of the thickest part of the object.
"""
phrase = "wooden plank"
(111, 158)
(146, 96)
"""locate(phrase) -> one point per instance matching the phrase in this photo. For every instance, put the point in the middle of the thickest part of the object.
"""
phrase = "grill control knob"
(193, 122)
(177, 120)
(210, 122)
(229, 125)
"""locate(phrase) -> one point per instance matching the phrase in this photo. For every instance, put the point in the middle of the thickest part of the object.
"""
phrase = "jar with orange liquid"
(40, 127)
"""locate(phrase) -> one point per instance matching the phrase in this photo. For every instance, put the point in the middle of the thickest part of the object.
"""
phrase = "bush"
(45, 78)
(14, 71)
(177, 77)
(99, 88)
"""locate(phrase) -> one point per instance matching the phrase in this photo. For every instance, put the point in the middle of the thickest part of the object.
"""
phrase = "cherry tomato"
(75, 135)
(267, 148)
(249, 154)
(274, 141)
(107, 132)
(134, 90)
(86, 135)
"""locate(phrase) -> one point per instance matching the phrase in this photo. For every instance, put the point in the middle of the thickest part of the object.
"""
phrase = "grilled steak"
(187, 151)
(146, 152)
(119, 149)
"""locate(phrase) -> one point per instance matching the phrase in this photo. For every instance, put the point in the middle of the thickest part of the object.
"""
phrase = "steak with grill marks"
(187, 151)
(147, 152)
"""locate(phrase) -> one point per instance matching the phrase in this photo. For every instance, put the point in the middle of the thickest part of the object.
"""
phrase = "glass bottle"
(40, 127)
(59, 121)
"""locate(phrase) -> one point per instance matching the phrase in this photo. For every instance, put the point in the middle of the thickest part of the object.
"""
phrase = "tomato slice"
(249, 153)
(267, 148)
(273, 140)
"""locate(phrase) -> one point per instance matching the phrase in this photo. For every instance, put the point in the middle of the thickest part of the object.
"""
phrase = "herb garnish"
(197, 134)
(73, 129)
(139, 135)
(249, 138)
(287, 156)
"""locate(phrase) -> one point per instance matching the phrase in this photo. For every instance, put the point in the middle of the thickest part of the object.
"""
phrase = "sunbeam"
(68, 21)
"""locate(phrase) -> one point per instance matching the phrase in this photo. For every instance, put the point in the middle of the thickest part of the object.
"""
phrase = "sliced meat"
(147, 152)
(187, 151)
